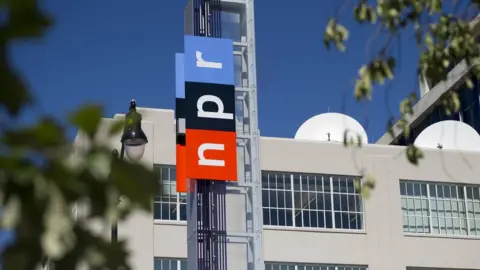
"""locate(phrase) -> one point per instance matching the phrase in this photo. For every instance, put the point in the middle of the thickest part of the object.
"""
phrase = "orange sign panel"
(211, 155)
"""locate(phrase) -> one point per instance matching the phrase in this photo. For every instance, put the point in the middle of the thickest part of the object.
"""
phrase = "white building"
(425, 217)
(418, 218)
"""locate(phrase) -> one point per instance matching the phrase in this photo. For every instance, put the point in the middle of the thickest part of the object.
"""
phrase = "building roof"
(427, 103)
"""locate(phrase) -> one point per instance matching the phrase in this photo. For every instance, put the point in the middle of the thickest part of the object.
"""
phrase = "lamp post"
(133, 143)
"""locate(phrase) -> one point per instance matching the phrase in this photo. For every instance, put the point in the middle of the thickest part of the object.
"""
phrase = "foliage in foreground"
(41, 182)
(442, 33)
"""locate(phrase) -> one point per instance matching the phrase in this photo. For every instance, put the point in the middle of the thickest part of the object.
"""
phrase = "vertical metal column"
(209, 196)
(256, 195)
(211, 236)
(201, 21)
(192, 221)
(248, 138)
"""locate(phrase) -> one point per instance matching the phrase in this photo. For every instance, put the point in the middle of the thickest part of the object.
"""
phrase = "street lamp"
(133, 138)
(133, 143)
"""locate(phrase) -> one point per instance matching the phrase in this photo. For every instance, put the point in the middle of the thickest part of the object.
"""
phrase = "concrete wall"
(383, 245)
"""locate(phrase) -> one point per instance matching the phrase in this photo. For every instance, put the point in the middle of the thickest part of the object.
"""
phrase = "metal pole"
(114, 229)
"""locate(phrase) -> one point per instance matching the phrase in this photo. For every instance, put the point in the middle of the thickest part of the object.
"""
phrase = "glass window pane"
(441, 210)
(238, 70)
(167, 202)
(231, 27)
(309, 204)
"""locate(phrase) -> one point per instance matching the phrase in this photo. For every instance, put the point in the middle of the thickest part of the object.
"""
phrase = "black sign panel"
(210, 106)
(179, 108)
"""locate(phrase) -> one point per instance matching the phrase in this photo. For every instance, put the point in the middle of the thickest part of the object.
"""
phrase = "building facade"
(417, 217)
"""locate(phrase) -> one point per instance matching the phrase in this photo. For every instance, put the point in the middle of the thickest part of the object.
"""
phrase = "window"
(291, 266)
(241, 64)
(169, 205)
(234, 27)
(442, 209)
(238, 70)
(296, 200)
(231, 27)
(169, 264)
(239, 110)
(469, 104)
(181, 264)
(311, 200)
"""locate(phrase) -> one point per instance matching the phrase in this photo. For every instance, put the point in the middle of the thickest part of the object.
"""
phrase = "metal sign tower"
(206, 200)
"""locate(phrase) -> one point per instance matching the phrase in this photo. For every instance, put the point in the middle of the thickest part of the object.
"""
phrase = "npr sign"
(209, 109)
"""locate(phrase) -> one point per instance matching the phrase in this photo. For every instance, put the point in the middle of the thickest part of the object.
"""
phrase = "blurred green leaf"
(87, 119)
(135, 182)
(46, 134)
(25, 20)
(117, 127)
(365, 185)
(414, 154)
(335, 33)
(42, 178)
(13, 92)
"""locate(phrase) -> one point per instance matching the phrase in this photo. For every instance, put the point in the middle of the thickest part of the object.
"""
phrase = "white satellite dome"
(449, 134)
(331, 127)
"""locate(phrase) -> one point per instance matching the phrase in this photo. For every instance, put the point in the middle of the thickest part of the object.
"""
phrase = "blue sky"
(111, 51)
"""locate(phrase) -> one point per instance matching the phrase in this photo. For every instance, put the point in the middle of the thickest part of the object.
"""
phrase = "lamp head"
(133, 138)
(133, 105)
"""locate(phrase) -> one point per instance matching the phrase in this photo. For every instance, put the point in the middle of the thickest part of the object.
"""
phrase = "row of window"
(446, 209)
(294, 200)
(311, 200)
(169, 264)
(331, 202)
(181, 264)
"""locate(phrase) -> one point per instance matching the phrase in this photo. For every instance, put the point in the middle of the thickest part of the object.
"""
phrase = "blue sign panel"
(209, 60)
(179, 76)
